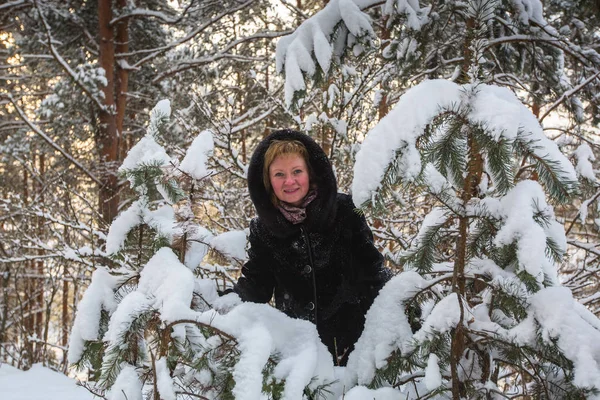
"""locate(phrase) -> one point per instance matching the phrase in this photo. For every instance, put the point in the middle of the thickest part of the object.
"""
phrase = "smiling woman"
(288, 175)
(309, 248)
(286, 172)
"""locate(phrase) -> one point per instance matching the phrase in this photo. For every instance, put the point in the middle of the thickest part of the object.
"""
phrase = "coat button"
(307, 269)
(310, 306)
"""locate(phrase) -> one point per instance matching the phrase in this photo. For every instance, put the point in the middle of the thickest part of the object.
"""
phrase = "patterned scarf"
(297, 214)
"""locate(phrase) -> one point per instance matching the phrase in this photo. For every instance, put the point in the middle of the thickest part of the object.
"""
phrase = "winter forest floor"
(38, 383)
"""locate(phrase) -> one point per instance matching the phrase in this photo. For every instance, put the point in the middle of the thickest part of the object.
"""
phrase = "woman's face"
(288, 174)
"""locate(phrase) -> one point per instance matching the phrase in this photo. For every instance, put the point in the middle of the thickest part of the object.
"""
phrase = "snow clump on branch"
(394, 138)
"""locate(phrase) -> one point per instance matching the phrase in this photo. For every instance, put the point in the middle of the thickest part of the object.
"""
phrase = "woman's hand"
(226, 301)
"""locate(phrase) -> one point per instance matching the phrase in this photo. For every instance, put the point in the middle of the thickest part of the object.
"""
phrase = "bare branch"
(590, 201)
(139, 12)
(295, 9)
(48, 140)
(568, 94)
(17, 3)
(63, 63)
(155, 52)
(188, 64)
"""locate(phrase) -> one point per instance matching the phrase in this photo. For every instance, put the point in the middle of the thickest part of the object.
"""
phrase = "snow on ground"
(38, 383)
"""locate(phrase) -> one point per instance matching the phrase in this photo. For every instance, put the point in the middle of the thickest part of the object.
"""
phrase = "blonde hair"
(278, 148)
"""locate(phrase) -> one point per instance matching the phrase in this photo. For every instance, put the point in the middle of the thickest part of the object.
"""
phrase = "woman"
(309, 246)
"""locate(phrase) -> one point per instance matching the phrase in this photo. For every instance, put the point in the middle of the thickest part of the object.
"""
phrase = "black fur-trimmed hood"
(320, 212)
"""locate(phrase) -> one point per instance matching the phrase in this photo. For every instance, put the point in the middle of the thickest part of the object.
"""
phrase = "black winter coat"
(326, 269)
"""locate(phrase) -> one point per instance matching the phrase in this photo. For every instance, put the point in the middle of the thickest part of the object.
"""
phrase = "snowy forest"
(467, 133)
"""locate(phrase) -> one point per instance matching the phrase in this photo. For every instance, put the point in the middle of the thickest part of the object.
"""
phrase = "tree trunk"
(472, 180)
(65, 317)
(65, 320)
(107, 140)
(383, 107)
(122, 79)
(39, 286)
(458, 345)
(467, 52)
(4, 279)
(28, 286)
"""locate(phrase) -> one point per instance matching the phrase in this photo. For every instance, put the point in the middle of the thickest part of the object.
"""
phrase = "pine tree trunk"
(458, 345)
(383, 107)
(122, 81)
(47, 314)
(5, 299)
(107, 135)
(267, 77)
(243, 134)
(4, 279)
(65, 325)
(65, 320)
(28, 287)
(326, 143)
(39, 271)
(299, 7)
(472, 180)
(467, 51)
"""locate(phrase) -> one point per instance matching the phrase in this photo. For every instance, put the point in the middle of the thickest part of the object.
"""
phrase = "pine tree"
(483, 266)
(487, 251)
(128, 328)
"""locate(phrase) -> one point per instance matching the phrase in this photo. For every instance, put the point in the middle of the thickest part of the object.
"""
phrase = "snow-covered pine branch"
(321, 38)
(496, 110)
